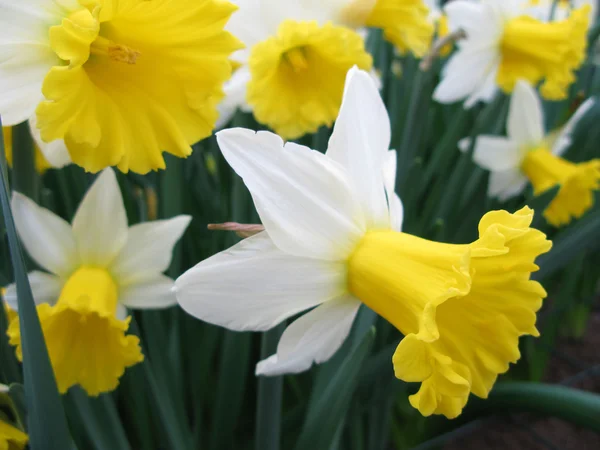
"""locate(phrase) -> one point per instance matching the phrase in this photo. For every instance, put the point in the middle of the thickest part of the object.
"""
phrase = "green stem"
(25, 178)
(268, 405)
(573, 405)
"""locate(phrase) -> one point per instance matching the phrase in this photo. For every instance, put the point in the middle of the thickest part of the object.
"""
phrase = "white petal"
(155, 292)
(525, 117)
(486, 91)
(55, 152)
(506, 184)
(44, 287)
(149, 249)
(466, 72)
(496, 153)
(25, 56)
(395, 204)
(313, 338)
(235, 96)
(100, 223)
(563, 141)
(254, 285)
(303, 197)
(360, 142)
(47, 238)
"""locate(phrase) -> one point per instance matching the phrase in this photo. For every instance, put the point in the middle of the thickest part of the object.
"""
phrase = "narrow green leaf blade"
(47, 424)
(321, 425)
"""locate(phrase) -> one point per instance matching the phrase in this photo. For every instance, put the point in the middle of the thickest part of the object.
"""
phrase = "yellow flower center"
(116, 52)
(298, 75)
(11, 438)
(577, 183)
(86, 342)
(461, 308)
(536, 51)
(405, 23)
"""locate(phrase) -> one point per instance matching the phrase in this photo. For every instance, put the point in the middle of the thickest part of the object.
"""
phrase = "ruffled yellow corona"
(86, 342)
(538, 51)
(404, 23)
(298, 75)
(577, 183)
(139, 78)
(462, 308)
(41, 164)
(12, 438)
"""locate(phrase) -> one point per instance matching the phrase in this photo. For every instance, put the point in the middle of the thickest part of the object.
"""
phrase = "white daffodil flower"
(95, 269)
(505, 43)
(315, 209)
(332, 242)
(529, 154)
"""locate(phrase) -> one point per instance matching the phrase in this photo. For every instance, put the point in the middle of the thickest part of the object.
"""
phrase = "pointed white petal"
(304, 199)
(466, 73)
(563, 141)
(44, 286)
(25, 56)
(47, 238)
(506, 184)
(360, 142)
(496, 153)
(313, 338)
(394, 202)
(149, 249)
(525, 117)
(152, 293)
(254, 285)
(55, 152)
(100, 223)
(122, 312)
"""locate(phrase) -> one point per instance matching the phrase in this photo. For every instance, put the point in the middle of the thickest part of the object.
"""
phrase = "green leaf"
(581, 237)
(268, 404)
(47, 424)
(235, 359)
(329, 411)
(25, 177)
(99, 419)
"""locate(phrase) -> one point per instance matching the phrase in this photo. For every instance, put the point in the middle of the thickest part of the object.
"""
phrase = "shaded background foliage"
(196, 388)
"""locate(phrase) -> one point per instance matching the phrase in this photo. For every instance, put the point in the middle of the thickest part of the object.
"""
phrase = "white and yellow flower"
(529, 154)
(96, 269)
(332, 241)
(119, 81)
(504, 44)
(297, 54)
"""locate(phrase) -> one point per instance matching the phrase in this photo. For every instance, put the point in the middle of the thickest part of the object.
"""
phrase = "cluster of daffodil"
(118, 82)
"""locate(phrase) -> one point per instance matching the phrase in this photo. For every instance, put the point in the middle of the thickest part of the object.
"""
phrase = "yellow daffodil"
(58, 156)
(11, 438)
(404, 22)
(503, 44)
(332, 241)
(547, 10)
(528, 154)
(293, 69)
(97, 268)
(119, 81)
